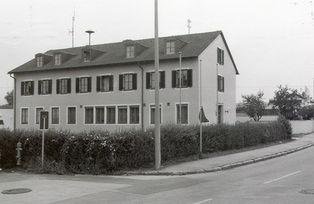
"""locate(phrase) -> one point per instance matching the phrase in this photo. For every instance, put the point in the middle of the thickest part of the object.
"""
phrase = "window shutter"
(110, 83)
(162, 80)
(58, 86)
(77, 85)
(222, 57)
(120, 82)
(32, 87)
(148, 80)
(190, 78)
(98, 83)
(69, 85)
(174, 73)
(223, 84)
(22, 88)
(218, 56)
(39, 87)
(134, 80)
(50, 86)
(89, 84)
(218, 82)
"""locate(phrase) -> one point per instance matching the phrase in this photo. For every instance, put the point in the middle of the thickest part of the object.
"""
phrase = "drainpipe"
(14, 103)
(142, 95)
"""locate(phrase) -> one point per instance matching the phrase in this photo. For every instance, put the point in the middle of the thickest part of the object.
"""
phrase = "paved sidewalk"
(233, 160)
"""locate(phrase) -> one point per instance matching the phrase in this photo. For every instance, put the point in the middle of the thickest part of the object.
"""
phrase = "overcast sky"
(272, 41)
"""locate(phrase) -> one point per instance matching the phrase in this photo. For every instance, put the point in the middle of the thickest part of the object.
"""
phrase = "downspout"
(14, 103)
(142, 95)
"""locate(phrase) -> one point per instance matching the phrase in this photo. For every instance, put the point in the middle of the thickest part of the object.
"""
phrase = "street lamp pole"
(157, 109)
(180, 86)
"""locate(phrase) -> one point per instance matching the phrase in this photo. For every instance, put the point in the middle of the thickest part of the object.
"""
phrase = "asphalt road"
(278, 180)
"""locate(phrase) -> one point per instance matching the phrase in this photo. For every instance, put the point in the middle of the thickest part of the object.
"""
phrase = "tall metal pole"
(43, 145)
(157, 110)
(72, 32)
(200, 108)
(180, 86)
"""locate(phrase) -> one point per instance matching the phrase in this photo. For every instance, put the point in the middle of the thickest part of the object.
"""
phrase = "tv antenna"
(72, 30)
(189, 26)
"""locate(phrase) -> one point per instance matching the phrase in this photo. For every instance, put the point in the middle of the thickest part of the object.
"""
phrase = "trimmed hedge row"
(102, 152)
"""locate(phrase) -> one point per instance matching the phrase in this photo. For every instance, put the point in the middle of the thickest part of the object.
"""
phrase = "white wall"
(7, 116)
(209, 83)
(302, 126)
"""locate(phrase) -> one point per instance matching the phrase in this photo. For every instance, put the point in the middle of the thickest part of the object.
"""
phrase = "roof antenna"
(72, 30)
(90, 32)
(189, 26)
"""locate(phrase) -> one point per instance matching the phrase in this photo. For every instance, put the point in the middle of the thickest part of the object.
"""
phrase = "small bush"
(285, 124)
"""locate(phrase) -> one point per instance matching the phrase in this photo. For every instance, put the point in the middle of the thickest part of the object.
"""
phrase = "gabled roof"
(114, 53)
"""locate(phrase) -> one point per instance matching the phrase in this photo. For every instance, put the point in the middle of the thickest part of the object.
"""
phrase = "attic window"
(130, 51)
(40, 61)
(57, 59)
(86, 55)
(170, 47)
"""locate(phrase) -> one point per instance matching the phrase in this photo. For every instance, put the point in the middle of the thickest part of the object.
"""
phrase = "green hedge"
(102, 152)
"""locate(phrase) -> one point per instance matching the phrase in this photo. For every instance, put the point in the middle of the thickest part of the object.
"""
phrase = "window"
(40, 61)
(63, 86)
(134, 114)
(38, 115)
(127, 82)
(220, 56)
(24, 115)
(150, 80)
(89, 115)
(130, 52)
(111, 115)
(184, 114)
(27, 88)
(186, 78)
(55, 115)
(152, 114)
(71, 115)
(122, 114)
(170, 47)
(86, 56)
(221, 83)
(83, 84)
(100, 115)
(44, 87)
(57, 59)
(104, 83)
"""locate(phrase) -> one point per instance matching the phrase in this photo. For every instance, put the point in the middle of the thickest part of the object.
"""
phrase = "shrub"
(285, 124)
(100, 152)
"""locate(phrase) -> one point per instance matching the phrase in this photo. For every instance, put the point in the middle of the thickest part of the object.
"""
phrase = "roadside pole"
(157, 108)
(180, 86)
(200, 113)
(43, 146)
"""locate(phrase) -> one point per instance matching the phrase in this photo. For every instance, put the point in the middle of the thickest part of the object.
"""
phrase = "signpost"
(43, 125)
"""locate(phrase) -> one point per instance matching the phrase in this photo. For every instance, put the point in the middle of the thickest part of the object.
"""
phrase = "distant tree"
(287, 101)
(9, 98)
(254, 106)
(307, 112)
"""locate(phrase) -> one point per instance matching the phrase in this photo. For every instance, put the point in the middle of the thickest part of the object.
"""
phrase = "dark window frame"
(220, 83)
(186, 81)
(134, 119)
(27, 88)
(150, 81)
(55, 119)
(63, 86)
(69, 121)
(45, 87)
(89, 119)
(84, 84)
(101, 85)
(220, 56)
(26, 117)
(108, 115)
(184, 121)
(126, 79)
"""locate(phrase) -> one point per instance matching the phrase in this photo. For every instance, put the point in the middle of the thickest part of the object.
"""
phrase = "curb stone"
(223, 167)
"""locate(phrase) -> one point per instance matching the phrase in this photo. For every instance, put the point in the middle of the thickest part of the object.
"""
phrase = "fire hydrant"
(18, 153)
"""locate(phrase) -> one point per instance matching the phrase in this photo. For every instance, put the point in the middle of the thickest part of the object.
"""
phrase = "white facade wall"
(7, 116)
(210, 96)
(169, 96)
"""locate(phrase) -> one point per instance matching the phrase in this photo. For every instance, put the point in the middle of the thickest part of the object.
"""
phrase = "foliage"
(288, 101)
(101, 152)
(307, 112)
(9, 98)
(285, 124)
(254, 106)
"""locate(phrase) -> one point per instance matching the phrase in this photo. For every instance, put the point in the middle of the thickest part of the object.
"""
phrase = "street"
(277, 180)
